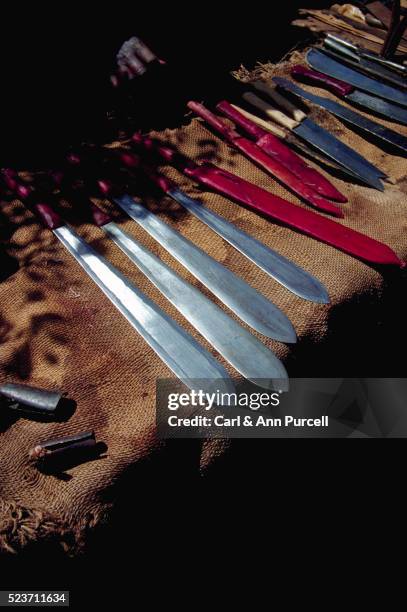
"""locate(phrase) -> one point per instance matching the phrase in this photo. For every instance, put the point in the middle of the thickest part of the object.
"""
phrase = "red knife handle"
(148, 144)
(99, 217)
(306, 75)
(130, 160)
(48, 217)
(159, 179)
(273, 145)
(105, 187)
(166, 153)
(10, 178)
(214, 121)
(249, 126)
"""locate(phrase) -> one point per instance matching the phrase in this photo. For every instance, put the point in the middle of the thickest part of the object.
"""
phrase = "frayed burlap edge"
(21, 527)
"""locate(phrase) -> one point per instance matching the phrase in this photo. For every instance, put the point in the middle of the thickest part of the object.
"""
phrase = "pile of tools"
(273, 138)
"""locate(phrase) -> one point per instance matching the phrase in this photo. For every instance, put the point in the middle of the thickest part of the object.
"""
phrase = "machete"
(185, 357)
(306, 221)
(284, 271)
(323, 63)
(349, 93)
(366, 125)
(246, 353)
(269, 138)
(261, 158)
(344, 45)
(363, 64)
(321, 139)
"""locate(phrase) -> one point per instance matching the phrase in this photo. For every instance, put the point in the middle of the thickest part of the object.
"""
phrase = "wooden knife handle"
(306, 75)
(280, 100)
(239, 119)
(270, 111)
(266, 125)
(220, 126)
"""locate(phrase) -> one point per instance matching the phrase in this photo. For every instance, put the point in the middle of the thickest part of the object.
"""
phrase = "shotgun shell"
(30, 400)
(74, 449)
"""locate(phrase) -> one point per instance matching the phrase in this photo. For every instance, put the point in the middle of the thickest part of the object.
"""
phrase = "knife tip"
(322, 299)
(340, 198)
(374, 183)
(287, 336)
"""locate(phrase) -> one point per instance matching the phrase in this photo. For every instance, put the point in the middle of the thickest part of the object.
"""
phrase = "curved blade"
(367, 66)
(239, 347)
(250, 305)
(367, 125)
(284, 271)
(322, 62)
(180, 352)
(336, 150)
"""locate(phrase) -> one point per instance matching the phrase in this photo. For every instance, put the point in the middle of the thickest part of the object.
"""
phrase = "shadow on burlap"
(59, 331)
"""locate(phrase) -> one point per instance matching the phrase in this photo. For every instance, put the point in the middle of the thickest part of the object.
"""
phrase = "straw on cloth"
(59, 331)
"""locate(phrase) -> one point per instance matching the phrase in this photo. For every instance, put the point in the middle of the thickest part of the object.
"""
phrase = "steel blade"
(336, 150)
(284, 271)
(322, 62)
(187, 359)
(362, 52)
(350, 116)
(378, 105)
(274, 147)
(250, 305)
(239, 347)
(306, 221)
(366, 66)
(279, 171)
(269, 163)
(256, 198)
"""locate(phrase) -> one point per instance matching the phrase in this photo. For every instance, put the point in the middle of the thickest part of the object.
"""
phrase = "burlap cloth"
(59, 331)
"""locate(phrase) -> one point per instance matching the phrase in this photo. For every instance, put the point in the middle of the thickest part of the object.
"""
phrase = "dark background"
(55, 65)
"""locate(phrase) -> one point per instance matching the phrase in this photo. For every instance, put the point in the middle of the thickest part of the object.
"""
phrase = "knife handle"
(343, 50)
(166, 153)
(270, 111)
(164, 183)
(306, 75)
(261, 123)
(148, 144)
(236, 115)
(105, 187)
(10, 177)
(130, 160)
(220, 126)
(99, 217)
(280, 100)
(47, 215)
